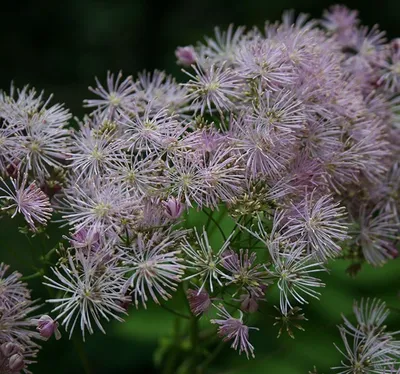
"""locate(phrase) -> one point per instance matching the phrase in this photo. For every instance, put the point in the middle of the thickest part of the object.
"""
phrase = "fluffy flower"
(93, 154)
(183, 174)
(294, 272)
(156, 268)
(213, 87)
(136, 174)
(375, 235)
(146, 132)
(222, 178)
(244, 271)
(263, 152)
(202, 259)
(223, 47)
(17, 336)
(264, 61)
(319, 223)
(162, 91)
(340, 20)
(230, 328)
(364, 353)
(117, 95)
(41, 136)
(29, 200)
(97, 206)
(90, 290)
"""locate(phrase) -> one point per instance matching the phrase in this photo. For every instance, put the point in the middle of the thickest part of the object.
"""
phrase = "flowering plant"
(278, 155)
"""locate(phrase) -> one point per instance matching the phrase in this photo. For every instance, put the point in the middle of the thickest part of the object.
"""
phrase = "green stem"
(211, 218)
(49, 253)
(179, 314)
(209, 215)
(239, 231)
(32, 276)
(194, 333)
(128, 239)
(82, 355)
(211, 357)
(169, 367)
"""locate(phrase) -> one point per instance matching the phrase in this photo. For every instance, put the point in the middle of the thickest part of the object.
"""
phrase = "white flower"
(156, 267)
(294, 271)
(29, 200)
(90, 290)
(203, 261)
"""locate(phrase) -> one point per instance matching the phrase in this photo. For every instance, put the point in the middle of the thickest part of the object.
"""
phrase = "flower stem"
(194, 333)
(179, 314)
(32, 276)
(82, 355)
(202, 368)
(211, 218)
(49, 253)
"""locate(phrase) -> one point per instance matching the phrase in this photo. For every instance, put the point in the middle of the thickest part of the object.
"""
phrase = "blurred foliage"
(60, 47)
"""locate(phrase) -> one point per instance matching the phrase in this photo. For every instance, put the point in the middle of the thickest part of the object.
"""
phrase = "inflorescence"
(290, 133)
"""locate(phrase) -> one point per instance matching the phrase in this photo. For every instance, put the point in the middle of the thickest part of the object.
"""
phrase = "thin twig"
(175, 312)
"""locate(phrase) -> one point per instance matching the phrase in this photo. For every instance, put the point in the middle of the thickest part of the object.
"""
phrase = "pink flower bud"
(47, 327)
(250, 300)
(199, 302)
(125, 302)
(186, 55)
(391, 249)
(16, 363)
(173, 208)
(395, 44)
(86, 239)
(249, 304)
(9, 349)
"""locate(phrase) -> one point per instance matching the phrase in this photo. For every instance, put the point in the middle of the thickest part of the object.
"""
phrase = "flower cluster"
(291, 133)
(369, 347)
(18, 346)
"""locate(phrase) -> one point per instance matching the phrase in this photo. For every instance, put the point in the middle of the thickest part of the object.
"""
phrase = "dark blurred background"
(59, 46)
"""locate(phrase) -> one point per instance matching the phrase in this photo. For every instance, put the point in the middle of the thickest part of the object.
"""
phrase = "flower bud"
(186, 55)
(16, 363)
(125, 302)
(173, 208)
(47, 327)
(199, 301)
(250, 300)
(9, 349)
(86, 239)
(395, 44)
(391, 249)
(249, 304)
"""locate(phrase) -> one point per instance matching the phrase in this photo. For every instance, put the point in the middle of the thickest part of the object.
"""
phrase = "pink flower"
(29, 200)
(234, 329)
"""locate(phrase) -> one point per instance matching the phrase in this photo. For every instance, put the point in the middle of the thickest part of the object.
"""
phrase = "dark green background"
(60, 48)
